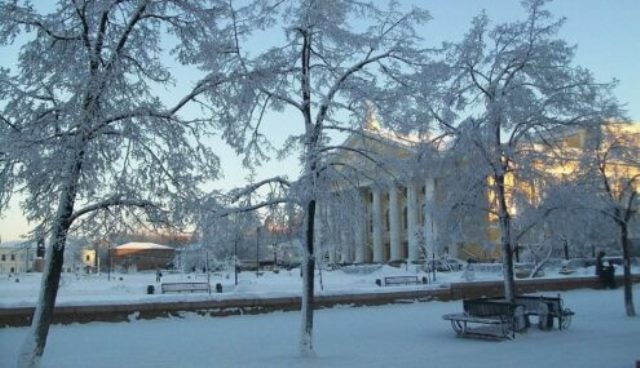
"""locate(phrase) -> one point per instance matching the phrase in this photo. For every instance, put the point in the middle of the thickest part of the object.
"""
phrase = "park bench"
(178, 287)
(499, 319)
(401, 280)
(546, 308)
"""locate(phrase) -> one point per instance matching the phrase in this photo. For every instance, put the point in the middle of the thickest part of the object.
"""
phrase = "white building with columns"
(385, 204)
(378, 212)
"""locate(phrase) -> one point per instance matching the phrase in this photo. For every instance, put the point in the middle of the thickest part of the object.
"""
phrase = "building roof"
(15, 244)
(142, 246)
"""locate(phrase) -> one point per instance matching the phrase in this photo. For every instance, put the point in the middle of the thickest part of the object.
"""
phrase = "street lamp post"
(275, 255)
(235, 261)
(109, 262)
(208, 274)
(258, 252)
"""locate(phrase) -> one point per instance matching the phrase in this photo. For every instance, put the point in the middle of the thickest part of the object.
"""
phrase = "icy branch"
(112, 202)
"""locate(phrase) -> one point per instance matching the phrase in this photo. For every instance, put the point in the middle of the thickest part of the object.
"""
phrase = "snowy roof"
(15, 244)
(134, 245)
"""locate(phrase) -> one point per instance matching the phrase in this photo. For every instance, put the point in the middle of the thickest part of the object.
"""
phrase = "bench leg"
(508, 330)
(459, 327)
(565, 322)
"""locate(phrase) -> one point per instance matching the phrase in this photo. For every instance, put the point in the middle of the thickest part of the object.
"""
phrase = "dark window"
(88, 258)
(4, 257)
(13, 257)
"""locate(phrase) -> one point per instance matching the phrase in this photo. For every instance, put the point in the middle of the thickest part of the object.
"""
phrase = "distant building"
(16, 256)
(142, 256)
(88, 259)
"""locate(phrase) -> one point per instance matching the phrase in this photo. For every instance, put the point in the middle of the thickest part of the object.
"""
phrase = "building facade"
(388, 215)
(141, 256)
(16, 257)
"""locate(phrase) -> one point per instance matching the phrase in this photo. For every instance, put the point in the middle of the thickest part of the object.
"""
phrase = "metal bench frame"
(553, 306)
(486, 312)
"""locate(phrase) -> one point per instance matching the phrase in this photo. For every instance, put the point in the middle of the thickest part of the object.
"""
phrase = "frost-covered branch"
(112, 202)
(282, 182)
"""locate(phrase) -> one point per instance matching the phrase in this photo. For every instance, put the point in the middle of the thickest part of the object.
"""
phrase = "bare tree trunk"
(312, 134)
(34, 344)
(33, 347)
(627, 282)
(505, 240)
(308, 267)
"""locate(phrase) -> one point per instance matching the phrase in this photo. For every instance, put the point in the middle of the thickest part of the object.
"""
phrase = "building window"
(4, 257)
(88, 258)
(13, 257)
(12, 270)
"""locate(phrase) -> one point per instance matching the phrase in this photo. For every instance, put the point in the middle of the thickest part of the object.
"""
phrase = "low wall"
(13, 317)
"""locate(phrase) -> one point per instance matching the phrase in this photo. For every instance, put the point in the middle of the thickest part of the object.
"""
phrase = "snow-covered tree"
(501, 90)
(339, 60)
(614, 177)
(86, 136)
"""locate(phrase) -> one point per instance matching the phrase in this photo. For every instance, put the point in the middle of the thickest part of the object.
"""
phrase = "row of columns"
(355, 244)
(414, 229)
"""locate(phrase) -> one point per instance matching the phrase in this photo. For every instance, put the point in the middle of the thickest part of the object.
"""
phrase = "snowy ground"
(409, 335)
(132, 288)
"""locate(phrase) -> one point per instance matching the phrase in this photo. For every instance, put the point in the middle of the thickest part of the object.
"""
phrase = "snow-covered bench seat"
(177, 287)
(498, 318)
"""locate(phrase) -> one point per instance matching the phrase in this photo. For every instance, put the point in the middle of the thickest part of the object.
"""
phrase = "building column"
(413, 227)
(394, 224)
(360, 228)
(345, 246)
(376, 212)
(429, 225)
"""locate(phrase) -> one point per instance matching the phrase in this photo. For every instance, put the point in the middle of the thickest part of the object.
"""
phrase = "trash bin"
(150, 289)
(218, 288)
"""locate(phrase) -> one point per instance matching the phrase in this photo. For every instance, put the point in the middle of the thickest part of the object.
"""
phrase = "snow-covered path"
(411, 335)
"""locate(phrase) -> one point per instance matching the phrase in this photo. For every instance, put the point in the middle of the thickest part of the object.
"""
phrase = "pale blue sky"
(607, 33)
